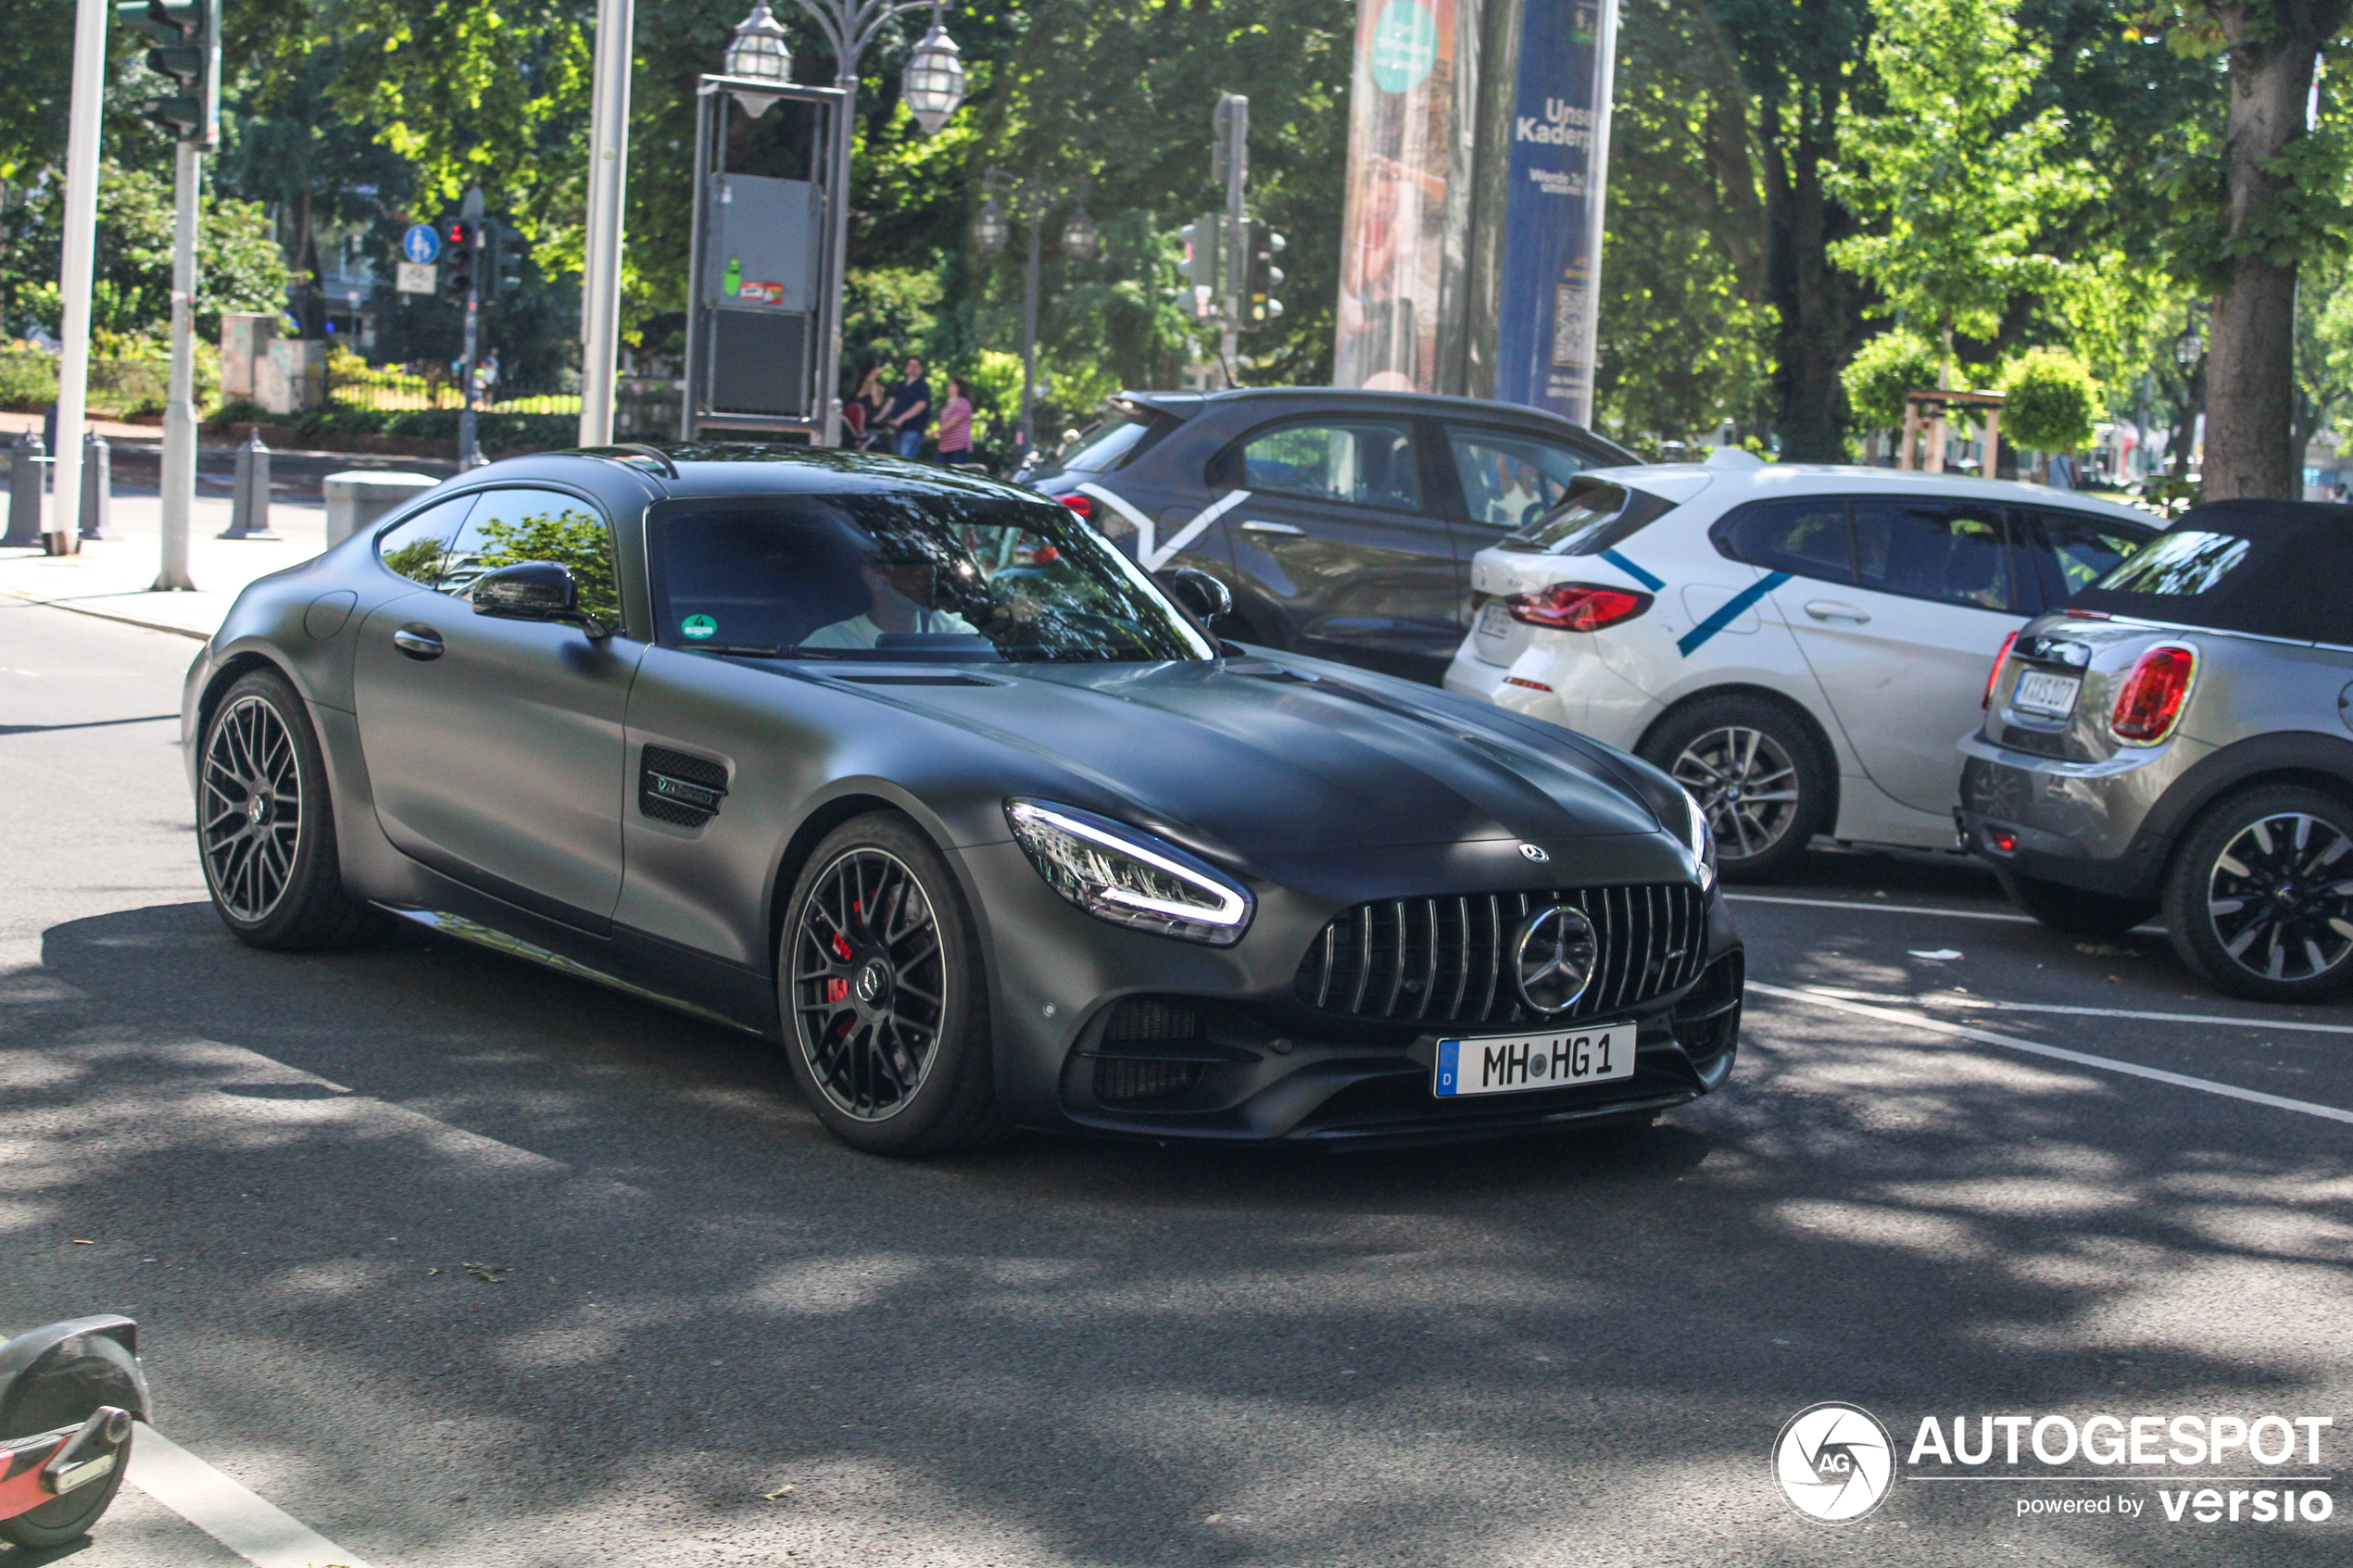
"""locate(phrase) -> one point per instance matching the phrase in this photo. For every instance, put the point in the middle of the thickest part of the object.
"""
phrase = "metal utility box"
(761, 296)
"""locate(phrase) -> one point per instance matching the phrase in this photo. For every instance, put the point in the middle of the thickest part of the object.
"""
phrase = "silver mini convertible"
(2181, 737)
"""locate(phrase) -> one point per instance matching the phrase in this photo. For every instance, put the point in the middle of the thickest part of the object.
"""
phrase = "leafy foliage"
(2049, 401)
(1889, 366)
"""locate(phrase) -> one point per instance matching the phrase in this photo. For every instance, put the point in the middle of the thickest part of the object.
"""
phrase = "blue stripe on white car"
(1636, 572)
(1730, 611)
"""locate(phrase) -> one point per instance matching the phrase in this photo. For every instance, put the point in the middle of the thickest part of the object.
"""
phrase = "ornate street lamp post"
(1030, 200)
(933, 85)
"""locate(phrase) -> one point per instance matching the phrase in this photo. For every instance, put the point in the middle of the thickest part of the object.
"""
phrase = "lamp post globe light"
(933, 86)
(758, 49)
(2189, 345)
(1081, 240)
(989, 228)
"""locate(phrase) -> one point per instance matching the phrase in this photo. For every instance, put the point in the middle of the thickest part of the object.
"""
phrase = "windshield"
(1594, 517)
(957, 578)
(1113, 440)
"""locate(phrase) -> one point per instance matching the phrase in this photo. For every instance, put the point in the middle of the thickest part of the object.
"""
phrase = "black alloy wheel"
(264, 830)
(878, 972)
(2259, 900)
(1757, 775)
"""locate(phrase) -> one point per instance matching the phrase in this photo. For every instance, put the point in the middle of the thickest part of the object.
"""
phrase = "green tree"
(1889, 366)
(2251, 205)
(2049, 401)
(1956, 189)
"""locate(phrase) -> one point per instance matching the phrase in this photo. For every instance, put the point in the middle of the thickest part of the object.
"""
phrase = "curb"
(108, 615)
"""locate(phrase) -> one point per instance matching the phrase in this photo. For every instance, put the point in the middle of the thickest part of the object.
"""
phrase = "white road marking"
(1879, 908)
(2057, 1053)
(256, 1529)
(1980, 1004)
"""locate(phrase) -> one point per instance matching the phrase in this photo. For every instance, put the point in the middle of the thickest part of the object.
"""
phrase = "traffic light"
(1205, 261)
(463, 237)
(506, 256)
(1262, 277)
(187, 36)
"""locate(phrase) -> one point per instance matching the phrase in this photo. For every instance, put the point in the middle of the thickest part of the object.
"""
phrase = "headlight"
(1701, 839)
(1128, 878)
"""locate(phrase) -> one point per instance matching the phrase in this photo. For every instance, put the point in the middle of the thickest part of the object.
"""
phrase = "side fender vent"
(680, 790)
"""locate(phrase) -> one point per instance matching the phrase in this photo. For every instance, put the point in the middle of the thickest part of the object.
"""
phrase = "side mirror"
(533, 590)
(1204, 597)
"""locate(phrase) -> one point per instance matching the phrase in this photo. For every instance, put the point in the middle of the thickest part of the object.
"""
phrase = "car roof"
(750, 468)
(1730, 485)
(1185, 404)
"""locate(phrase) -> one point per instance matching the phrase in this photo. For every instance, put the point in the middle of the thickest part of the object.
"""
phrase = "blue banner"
(1559, 153)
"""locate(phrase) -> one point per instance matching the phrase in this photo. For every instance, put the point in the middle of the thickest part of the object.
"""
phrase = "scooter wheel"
(68, 1518)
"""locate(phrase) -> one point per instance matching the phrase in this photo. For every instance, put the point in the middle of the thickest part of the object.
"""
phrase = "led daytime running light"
(1119, 875)
(1702, 839)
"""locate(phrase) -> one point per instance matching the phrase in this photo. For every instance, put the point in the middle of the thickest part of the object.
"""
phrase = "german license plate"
(2040, 693)
(1505, 1064)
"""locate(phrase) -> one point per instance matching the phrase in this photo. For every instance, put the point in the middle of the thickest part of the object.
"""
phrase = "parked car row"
(1807, 647)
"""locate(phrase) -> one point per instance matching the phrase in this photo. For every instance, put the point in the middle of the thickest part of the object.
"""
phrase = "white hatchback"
(1801, 645)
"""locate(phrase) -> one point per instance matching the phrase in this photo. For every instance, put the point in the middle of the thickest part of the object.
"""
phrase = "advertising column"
(1551, 250)
(1400, 126)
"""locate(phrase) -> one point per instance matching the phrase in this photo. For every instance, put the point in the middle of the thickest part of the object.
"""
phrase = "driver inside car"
(900, 595)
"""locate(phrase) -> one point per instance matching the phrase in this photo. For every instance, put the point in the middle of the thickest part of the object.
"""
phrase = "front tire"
(886, 1007)
(1758, 775)
(2074, 910)
(2258, 900)
(265, 828)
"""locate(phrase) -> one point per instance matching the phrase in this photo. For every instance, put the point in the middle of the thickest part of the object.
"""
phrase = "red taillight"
(1995, 673)
(1576, 606)
(2151, 699)
(2087, 615)
(1083, 504)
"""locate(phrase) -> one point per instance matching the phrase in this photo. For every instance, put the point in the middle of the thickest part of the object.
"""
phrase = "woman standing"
(869, 404)
(956, 426)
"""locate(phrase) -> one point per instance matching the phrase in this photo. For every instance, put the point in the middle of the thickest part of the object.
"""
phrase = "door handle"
(418, 642)
(1283, 528)
(1831, 610)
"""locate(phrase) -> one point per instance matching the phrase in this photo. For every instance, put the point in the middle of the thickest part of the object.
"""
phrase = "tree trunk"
(2250, 389)
(1809, 298)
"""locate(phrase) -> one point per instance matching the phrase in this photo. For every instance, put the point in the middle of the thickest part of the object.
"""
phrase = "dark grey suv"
(1343, 521)
(2181, 736)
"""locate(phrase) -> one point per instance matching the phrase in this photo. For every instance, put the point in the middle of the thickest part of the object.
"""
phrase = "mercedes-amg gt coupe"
(914, 773)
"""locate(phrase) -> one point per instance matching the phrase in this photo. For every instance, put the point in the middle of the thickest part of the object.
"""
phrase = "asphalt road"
(716, 1336)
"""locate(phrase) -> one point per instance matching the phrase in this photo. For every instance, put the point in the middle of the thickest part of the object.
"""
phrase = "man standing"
(910, 412)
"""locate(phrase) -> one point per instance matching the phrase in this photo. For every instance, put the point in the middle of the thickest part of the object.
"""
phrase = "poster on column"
(1401, 123)
(1559, 153)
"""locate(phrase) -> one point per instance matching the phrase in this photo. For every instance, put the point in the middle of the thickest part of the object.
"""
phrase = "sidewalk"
(112, 578)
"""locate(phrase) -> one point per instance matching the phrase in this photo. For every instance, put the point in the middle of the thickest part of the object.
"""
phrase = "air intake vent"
(1150, 1018)
(680, 790)
(1450, 960)
(1123, 1082)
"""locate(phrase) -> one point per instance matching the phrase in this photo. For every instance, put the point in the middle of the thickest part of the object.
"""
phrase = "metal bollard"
(249, 493)
(97, 488)
(28, 474)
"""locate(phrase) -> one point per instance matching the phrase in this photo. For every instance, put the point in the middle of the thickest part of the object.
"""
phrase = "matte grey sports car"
(914, 773)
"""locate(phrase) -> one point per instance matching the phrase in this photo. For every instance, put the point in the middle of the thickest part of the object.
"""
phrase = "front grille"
(1450, 960)
(1120, 1081)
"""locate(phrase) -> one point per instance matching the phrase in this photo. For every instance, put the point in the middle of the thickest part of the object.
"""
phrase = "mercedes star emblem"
(1555, 958)
(1535, 852)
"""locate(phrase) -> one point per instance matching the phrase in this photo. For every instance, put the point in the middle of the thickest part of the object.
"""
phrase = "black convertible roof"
(741, 468)
(2293, 580)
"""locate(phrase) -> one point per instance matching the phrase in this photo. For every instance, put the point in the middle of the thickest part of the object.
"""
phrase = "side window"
(416, 548)
(1954, 552)
(1354, 462)
(524, 524)
(2072, 550)
(1804, 538)
(1510, 481)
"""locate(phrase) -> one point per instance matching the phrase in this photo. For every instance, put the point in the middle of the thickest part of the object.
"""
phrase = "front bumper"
(1229, 1053)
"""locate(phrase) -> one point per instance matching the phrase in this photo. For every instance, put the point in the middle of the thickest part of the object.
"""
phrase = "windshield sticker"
(699, 626)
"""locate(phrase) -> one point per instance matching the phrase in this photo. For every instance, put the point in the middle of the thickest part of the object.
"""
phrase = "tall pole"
(74, 276)
(835, 300)
(608, 190)
(1229, 343)
(180, 408)
(1031, 205)
(470, 210)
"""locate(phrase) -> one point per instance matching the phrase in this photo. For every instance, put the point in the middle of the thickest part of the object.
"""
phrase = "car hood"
(1265, 758)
